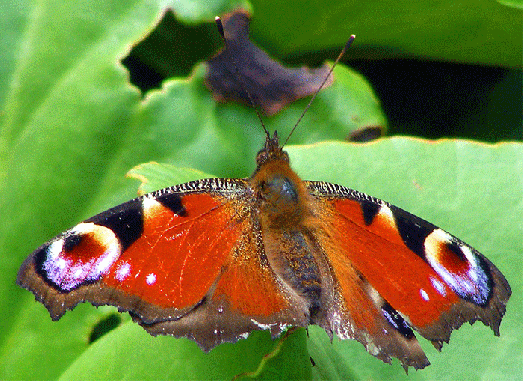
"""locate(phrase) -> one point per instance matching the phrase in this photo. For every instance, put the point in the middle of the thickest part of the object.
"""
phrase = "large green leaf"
(438, 181)
(72, 126)
(472, 31)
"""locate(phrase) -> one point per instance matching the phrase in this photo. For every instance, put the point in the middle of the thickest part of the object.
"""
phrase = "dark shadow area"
(170, 50)
(104, 326)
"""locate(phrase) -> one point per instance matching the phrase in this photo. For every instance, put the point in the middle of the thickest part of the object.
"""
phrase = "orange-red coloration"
(358, 305)
(448, 259)
(378, 249)
(249, 287)
(177, 259)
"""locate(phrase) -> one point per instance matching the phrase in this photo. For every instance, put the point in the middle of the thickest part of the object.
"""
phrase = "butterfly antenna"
(219, 24)
(347, 46)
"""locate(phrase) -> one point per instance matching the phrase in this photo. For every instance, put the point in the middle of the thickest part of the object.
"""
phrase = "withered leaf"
(243, 66)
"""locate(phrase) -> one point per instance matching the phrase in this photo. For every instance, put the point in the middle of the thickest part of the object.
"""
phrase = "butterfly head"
(271, 152)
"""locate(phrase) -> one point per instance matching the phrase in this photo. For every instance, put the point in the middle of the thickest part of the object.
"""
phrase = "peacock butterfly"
(214, 259)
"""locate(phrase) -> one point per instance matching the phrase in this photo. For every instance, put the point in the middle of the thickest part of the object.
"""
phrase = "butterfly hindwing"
(247, 296)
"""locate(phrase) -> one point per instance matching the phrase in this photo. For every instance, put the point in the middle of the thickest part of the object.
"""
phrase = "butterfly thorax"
(280, 194)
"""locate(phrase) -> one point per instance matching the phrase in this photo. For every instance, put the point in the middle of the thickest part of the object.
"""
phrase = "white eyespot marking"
(149, 203)
(103, 265)
(386, 214)
(55, 264)
(474, 275)
(123, 271)
(458, 266)
(150, 279)
(55, 248)
(78, 271)
(424, 295)
(68, 271)
(438, 286)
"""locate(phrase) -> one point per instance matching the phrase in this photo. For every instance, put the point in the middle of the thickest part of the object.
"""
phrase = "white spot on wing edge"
(262, 325)
(150, 203)
(270, 326)
(386, 213)
(150, 206)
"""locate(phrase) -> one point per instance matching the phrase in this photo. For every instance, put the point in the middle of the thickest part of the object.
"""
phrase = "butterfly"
(215, 259)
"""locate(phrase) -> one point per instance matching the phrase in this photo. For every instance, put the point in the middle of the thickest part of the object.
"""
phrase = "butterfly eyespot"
(70, 241)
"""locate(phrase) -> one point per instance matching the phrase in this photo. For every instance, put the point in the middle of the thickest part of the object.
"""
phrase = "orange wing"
(398, 273)
(186, 261)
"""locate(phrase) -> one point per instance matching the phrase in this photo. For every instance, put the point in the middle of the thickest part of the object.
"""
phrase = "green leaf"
(71, 126)
(471, 190)
(155, 176)
(166, 358)
(448, 183)
(472, 31)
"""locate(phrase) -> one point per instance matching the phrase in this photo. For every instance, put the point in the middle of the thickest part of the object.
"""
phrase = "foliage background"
(72, 125)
